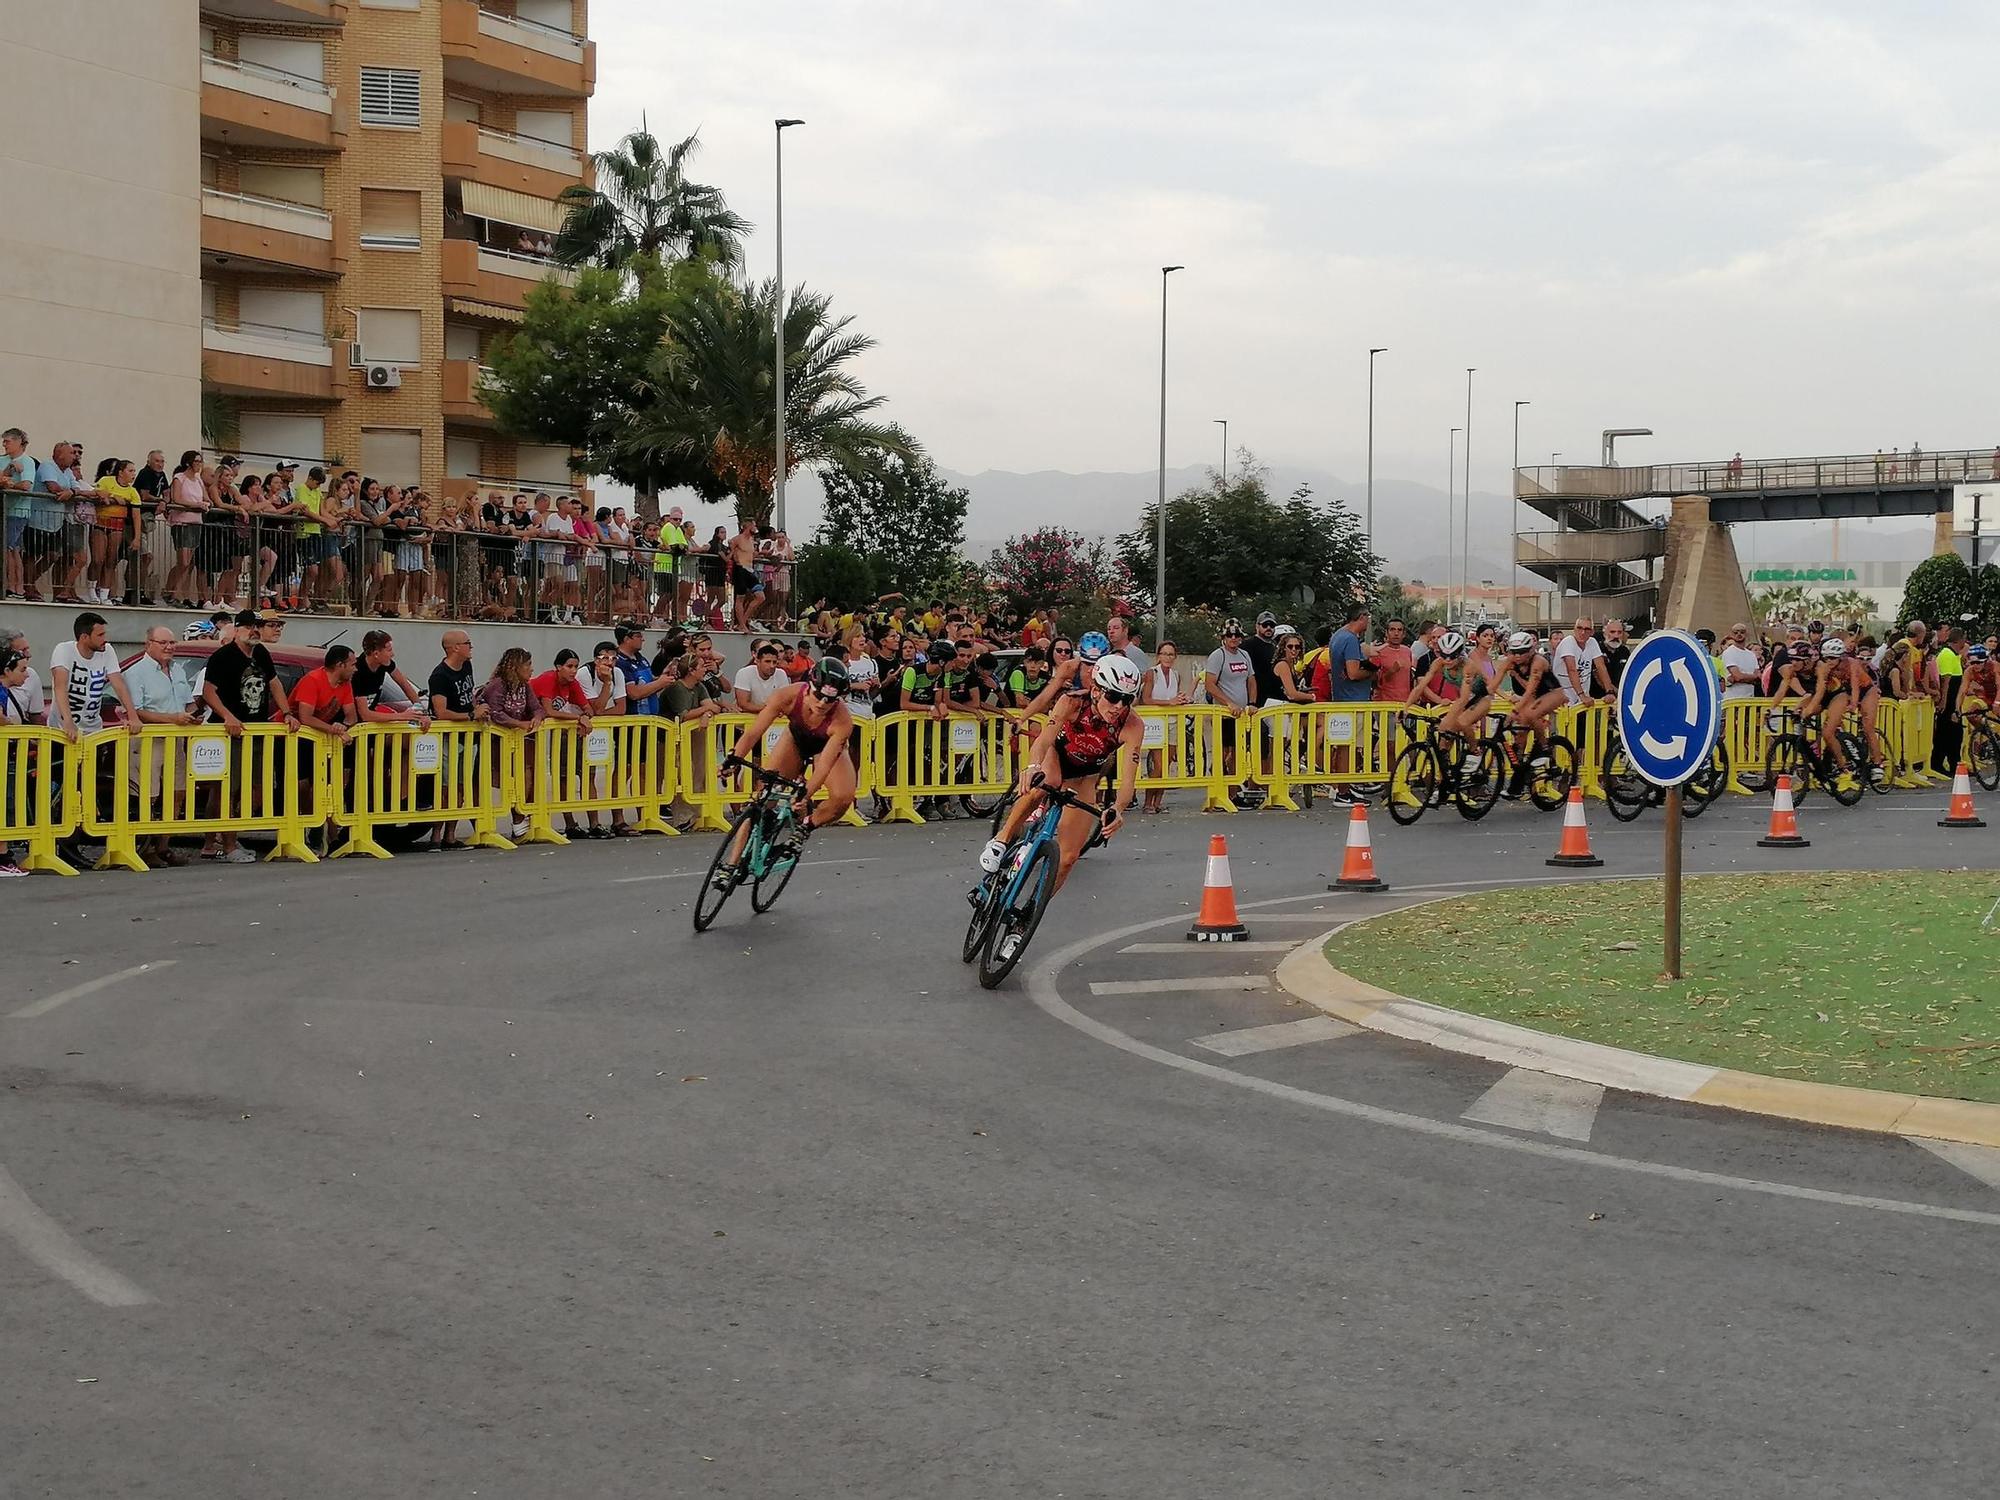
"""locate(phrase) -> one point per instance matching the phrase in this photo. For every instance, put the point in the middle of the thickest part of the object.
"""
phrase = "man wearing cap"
(667, 570)
(240, 686)
(1262, 649)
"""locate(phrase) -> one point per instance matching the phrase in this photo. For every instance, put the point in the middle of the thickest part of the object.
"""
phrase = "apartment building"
(378, 194)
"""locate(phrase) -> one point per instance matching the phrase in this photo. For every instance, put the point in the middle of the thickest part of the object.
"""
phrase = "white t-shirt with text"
(1582, 659)
(87, 679)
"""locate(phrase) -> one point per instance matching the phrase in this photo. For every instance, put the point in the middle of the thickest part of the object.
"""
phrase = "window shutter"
(391, 336)
(390, 218)
(390, 96)
(393, 455)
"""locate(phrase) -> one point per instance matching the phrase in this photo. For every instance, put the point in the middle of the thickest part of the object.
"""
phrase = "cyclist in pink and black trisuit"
(1084, 734)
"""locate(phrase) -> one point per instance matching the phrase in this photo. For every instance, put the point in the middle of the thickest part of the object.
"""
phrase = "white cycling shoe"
(991, 855)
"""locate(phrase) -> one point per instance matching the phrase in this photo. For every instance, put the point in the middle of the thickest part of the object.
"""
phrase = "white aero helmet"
(1832, 648)
(1451, 645)
(1522, 640)
(1116, 674)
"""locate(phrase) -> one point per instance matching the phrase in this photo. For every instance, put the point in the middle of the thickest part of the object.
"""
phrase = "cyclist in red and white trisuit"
(1084, 734)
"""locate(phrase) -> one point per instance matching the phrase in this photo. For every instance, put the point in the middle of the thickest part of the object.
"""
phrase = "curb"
(1308, 975)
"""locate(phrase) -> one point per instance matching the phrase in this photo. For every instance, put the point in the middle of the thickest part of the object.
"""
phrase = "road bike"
(1627, 793)
(1798, 751)
(1007, 905)
(1437, 767)
(771, 849)
(1982, 749)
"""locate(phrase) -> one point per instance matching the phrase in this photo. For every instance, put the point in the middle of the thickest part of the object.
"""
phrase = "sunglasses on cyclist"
(828, 694)
(1111, 697)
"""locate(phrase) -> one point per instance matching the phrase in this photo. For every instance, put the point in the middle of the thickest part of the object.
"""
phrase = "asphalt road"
(482, 1175)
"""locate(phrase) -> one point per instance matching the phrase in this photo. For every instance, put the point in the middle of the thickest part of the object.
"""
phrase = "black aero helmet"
(829, 672)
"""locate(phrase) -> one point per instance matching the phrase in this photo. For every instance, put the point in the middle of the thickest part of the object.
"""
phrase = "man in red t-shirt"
(1394, 665)
(324, 698)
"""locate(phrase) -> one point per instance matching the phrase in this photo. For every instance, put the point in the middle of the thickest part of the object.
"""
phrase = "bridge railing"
(1915, 469)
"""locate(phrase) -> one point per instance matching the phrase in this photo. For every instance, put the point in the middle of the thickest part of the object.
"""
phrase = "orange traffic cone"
(1784, 832)
(1217, 922)
(1961, 814)
(1357, 869)
(1575, 847)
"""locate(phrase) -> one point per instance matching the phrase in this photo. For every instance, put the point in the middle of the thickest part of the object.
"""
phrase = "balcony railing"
(532, 34)
(266, 341)
(527, 267)
(267, 83)
(1611, 545)
(530, 150)
(268, 213)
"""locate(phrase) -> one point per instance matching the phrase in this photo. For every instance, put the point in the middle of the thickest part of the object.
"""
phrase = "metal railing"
(303, 82)
(271, 332)
(538, 28)
(530, 142)
(322, 218)
(1914, 469)
(1618, 544)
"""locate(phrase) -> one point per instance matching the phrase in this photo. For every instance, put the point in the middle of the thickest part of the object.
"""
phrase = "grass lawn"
(1880, 981)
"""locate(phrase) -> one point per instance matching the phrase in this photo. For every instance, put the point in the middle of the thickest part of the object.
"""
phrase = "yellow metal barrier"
(704, 746)
(1746, 736)
(38, 802)
(1189, 743)
(1324, 744)
(1588, 727)
(623, 761)
(171, 780)
(1909, 727)
(963, 755)
(452, 772)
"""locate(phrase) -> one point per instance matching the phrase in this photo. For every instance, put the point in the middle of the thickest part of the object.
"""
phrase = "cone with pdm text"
(1217, 922)
(1357, 868)
(1961, 814)
(1784, 832)
(1574, 851)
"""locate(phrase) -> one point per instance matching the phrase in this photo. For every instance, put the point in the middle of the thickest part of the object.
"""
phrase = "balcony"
(1620, 544)
(247, 104)
(462, 401)
(498, 277)
(509, 56)
(254, 359)
(458, 486)
(289, 12)
(517, 163)
(241, 231)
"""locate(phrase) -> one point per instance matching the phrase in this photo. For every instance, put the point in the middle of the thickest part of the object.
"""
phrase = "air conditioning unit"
(384, 378)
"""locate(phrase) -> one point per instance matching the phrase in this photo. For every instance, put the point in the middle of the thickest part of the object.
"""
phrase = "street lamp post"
(1160, 511)
(1450, 519)
(1223, 422)
(1371, 443)
(778, 507)
(1465, 553)
(1514, 572)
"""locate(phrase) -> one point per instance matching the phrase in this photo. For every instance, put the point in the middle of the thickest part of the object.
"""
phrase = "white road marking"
(45, 1243)
(48, 1003)
(1172, 986)
(1526, 1100)
(1270, 1038)
(1273, 947)
(811, 864)
(1284, 916)
(1982, 1162)
(1048, 999)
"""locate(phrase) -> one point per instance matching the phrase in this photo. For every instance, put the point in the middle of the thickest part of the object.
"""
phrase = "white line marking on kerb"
(811, 864)
(1207, 948)
(1244, 982)
(45, 1243)
(1270, 1038)
(1541, 1102)
(1982, 1162)
(1042, 990)
(48, 1003)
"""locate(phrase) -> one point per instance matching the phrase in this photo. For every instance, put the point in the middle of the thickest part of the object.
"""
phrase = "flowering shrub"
(1057, 566)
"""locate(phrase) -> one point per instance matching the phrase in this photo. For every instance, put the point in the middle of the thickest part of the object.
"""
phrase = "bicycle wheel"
(1984, 749)
(1415, 782)
(1788, 758)
(1850, 786)
(1482, 776)
(987, 902)
(1706, 784)
(1626, 792)
(770, 885)
(1551, 774)
(1014, 923)
(709, 899)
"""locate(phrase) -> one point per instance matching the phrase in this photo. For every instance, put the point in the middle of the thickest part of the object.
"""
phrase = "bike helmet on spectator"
(1521, 640)
(1451, 645)
(1832, 648)
(1093, 645)
(1116, 674)
(1976, 653)
(200, 630)
(1284, 632)
(829, 672)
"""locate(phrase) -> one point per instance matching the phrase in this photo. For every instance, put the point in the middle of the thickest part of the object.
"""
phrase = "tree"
(1774, 605)
(575, 373)
(1938, 590)
(1987, 597)
(708, 397)
(646, 212)
(902, 515)
(1228, 542)
(1054, 566)
(1391, 601)
(1850, 605)
(837, 574)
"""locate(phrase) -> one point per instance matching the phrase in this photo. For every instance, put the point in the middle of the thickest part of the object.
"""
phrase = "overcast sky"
(1765, 227)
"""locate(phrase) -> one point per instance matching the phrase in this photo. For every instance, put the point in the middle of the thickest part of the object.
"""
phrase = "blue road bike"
(1007, 905)
(770, 852)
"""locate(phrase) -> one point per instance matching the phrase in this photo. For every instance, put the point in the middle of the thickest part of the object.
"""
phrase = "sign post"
(1669, 717)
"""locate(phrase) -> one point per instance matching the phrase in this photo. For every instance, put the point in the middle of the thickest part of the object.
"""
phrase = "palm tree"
(709, 392)
(1846, 604)
(645, 205)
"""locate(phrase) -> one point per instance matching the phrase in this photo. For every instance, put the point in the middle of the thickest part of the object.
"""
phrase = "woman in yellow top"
(111, 533)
